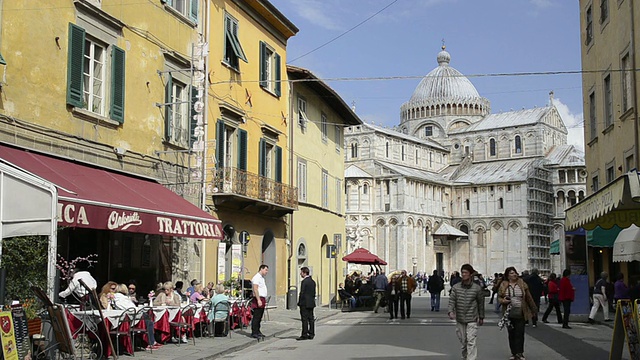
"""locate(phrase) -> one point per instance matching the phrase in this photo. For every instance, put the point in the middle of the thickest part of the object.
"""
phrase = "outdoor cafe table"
(163, 316)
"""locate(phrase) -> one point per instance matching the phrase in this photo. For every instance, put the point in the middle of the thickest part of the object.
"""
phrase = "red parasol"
(365, 257)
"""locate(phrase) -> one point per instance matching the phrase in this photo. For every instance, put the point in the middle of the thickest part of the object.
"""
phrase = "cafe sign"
(73, 214)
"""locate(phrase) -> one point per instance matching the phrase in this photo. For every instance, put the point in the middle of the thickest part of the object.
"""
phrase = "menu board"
(20, 330)
(625, 327)
(9, 349)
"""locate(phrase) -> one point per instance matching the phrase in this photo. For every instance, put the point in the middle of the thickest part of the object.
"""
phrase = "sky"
(377, 65)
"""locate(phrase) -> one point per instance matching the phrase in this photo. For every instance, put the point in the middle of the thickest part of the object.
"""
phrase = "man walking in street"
(306, 302)
(536, 286)
(259, 300)
(435, 285)
(380, 287)
(405, 285)
(600, 298)
(466, 306)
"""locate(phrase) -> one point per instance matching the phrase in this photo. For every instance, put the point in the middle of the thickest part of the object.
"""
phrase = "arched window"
(480, 236)
(492, 147)
(467, 204)
(500, 203)
(365, 189)
(464, 229)
(518, 145)
(387, 149)
(354, 150)
(402, 152)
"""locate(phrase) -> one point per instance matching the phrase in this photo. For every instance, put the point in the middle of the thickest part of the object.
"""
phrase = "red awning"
(95, 198)
(363, 256)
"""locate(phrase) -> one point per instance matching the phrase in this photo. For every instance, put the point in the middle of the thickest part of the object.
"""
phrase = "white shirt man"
(76, 288)
(260, 295)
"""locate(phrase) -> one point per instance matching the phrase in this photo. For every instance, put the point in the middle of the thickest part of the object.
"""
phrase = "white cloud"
(320, 13)
(574, 123)
(542, 3)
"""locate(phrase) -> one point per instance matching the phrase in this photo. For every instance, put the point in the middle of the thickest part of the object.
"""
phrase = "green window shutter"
(193, 12)
(192, 117)
(117, 84)
(75, 66)
(277, 88)
(278, 164)
(2, 60)
(168, 98)
(263, 65)
(242, 149)
(262, 163)
(219, 144)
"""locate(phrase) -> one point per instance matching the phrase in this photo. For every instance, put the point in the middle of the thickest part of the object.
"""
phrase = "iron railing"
(229, 180)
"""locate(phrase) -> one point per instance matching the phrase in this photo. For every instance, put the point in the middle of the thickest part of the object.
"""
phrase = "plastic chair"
(222, 307)
(124, 319)
(186, 322)
(137, 329)
(203, 315)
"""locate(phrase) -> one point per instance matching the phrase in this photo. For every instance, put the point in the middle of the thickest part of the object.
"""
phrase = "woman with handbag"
(554, 302)
(514, 295)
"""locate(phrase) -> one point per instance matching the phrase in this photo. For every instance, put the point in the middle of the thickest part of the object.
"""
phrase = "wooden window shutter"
(117, 84)
(242, 149)
(75, 66)
(219, 144)
(192, 117)
(278, 151)
(277, 88)
(168, 99)
(263, 158)
(263, 65)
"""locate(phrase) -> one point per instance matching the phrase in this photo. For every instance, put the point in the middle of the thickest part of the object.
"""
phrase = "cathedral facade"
(453, 183)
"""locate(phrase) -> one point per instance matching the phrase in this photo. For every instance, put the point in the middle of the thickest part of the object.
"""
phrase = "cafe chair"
(221, 314)
(266, 308)
(139, 326)
(204, 319)
(246, 312)
(123, 328)
(186, 322)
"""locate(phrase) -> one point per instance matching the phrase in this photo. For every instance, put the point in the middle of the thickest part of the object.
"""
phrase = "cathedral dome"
(444, 91)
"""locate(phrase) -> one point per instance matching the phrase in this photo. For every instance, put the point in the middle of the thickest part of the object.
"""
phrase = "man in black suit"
(306, 302)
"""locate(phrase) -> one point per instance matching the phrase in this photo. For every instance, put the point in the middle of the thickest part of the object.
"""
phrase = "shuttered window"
(242, 149)
(270, 71)
(117, 84)
(278, 155)
(75, 65)
(220, 143)
(233, 49)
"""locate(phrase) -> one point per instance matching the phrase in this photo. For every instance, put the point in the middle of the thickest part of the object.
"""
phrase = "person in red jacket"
(554, 302)
(566, 295)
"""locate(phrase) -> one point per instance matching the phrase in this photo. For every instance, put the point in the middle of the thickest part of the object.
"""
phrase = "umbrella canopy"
(626, 248)
(364, 257)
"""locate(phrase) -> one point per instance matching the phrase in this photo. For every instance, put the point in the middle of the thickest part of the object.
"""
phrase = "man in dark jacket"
(435, 285)
(306, 302)
(536, 286)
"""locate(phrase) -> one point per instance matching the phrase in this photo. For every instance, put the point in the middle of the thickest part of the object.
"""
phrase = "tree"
(25, 259)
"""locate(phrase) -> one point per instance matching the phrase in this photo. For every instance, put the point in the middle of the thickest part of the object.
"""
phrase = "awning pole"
(53, 245)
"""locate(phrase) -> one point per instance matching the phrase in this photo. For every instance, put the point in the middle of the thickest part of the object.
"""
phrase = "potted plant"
(34, 322)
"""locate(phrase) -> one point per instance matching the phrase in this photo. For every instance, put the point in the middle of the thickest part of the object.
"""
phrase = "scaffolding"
(540, 212)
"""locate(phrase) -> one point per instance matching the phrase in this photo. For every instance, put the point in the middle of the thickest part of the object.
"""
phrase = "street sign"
(331, 251)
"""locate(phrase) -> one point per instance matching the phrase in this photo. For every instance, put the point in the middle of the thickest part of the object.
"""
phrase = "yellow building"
(318, 116)
(103, 89)
(248, 181)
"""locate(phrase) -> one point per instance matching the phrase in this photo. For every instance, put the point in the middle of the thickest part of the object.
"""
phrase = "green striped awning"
(600, 237)
(555, 247)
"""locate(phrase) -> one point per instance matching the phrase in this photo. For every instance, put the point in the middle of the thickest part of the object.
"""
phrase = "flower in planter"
(151, 295)
(31, 308)
(67, 268)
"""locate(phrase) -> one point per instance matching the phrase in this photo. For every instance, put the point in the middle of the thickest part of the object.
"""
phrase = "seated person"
(364, 293)
(220, 312)
(344, 295)
(122, 301)
(78, 291)
(197, 294)
(167, 297)
(178, 290)
(132, 292)
(107, 294)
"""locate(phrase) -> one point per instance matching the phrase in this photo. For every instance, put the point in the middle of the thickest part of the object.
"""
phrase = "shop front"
(139, 229)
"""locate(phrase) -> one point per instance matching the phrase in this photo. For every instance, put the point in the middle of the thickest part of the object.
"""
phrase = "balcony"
(241, 190)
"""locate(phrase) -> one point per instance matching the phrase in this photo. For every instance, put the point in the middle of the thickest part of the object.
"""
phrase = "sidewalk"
(279, 321)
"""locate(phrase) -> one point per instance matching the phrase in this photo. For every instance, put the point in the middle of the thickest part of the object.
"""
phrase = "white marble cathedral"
(451, 166)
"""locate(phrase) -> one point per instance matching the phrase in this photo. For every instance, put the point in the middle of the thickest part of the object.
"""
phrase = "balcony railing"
(230, 180)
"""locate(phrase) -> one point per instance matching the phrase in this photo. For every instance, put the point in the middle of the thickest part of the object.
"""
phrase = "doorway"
(440, 262)
(269, 259)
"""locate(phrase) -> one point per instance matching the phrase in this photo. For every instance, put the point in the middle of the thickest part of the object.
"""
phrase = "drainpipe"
(636, 154)
(205, 112)
(291, 171)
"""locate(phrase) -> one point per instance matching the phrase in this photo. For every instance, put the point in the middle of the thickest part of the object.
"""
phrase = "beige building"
(249, 144)
(318, 116)
(609, 88)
